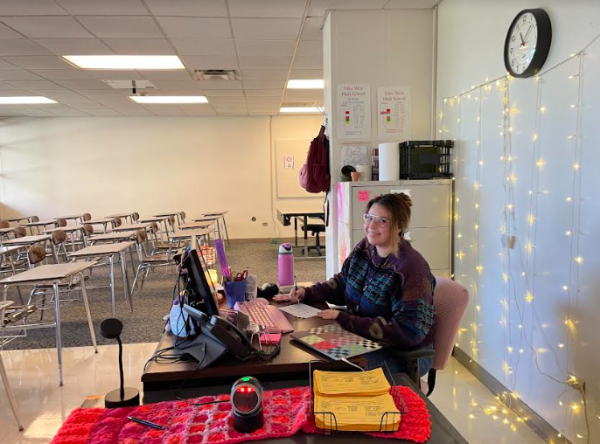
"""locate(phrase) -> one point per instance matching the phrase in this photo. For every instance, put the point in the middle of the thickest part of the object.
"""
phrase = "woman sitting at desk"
(385, 283)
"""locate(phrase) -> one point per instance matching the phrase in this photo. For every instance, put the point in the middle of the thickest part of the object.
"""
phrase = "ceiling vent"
(130, 84)
(217, 74)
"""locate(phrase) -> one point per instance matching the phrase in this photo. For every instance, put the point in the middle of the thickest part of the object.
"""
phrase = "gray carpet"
(145, 324)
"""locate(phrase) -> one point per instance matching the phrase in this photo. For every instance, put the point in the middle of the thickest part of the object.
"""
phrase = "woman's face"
(379, 228)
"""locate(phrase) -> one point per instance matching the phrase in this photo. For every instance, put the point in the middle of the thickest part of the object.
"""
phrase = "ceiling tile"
(310, 48)
(267, 8)
(265, 47)
(102, 112)
(37, 113)
(122, 27)
(301, 95)
(411, 4)
(18, 74)
(165, 110)
(6, 86)
(256, 113)
(195, 28)
(104, 96)
(34, 84)
(320, 7)
(108, 74)
(262, 93)
(103, 7)
(210, 62)
(47, 27)
(308, 63)
(140, 46)
(264, 74)
(129, 109)
(220, 84)
(65, 111)
(62, 74)
(204, 47)
(30, 7)
(166, 75)
(83, 84)
(232, 112)
(265, 62)
(39, 62)
(66, 96)
(306, 74)
(264, 84)
(21, 47)
(75, 46)
(181, 85)
(7, 33)
(224, 92)
(198, 110)
(266, 29)
(263, 101)
(313, 29)
(188, 8)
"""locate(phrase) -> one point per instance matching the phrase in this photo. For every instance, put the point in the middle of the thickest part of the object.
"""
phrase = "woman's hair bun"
(406, 198)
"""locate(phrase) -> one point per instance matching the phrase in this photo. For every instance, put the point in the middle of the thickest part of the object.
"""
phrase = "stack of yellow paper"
(354, 401)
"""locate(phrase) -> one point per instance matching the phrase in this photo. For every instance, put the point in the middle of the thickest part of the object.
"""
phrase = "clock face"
(527, 43)
(523, 43)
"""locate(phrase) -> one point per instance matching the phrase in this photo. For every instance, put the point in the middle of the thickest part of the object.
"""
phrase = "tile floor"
(44, 405)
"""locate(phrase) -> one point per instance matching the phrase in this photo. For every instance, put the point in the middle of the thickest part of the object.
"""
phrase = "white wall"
(58, 166)
(526, 344)
(381, 48)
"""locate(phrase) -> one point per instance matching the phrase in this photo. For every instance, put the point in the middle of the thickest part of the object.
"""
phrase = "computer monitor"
(200, 295)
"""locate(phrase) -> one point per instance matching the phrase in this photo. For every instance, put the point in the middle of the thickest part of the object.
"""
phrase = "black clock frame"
(543, 43)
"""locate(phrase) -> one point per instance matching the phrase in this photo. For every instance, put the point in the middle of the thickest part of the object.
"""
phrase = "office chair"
(450, 299)
(315, 230)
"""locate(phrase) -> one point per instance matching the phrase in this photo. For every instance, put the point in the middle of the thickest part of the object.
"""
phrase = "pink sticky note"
(363, 196)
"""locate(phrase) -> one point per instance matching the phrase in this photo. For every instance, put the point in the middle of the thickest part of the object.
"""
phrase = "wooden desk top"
(67, 229)
(121, 215)
(153, 219)
(71, 217)
(113, 236)
(6, 250)
(40, 223)
(292, 361)
(101, 250)
(52, 272)
(301, 212)
(215, 213)
(172, 213)
(192, 225)
(132, 227)
(27, 240)
(206, 218)
(6, 230)
(189, 233)
(17, 219)
(100, 220)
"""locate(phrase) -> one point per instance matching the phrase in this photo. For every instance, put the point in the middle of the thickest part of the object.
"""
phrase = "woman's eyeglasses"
(380, 221)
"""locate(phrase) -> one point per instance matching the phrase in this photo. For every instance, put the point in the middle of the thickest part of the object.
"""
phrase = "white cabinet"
(430, 230)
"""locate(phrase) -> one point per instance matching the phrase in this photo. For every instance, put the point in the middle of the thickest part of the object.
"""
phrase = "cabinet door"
(431, 203)
(433, 244)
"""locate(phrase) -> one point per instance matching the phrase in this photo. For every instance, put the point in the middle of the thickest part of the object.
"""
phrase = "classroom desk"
(38, 224)
(188, 234)
(70, 229)
(72, 217)
(28, 241)
(108, 251)
(220, 215)
(177, 214)
(52, 274)
(131, 227)
(194, 225)
(100, 221)
(113, 237)
(20, 218)
(124, 216)
(285, 218)
(4, 232)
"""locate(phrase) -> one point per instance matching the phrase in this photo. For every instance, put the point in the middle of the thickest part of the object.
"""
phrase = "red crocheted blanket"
(286, 411)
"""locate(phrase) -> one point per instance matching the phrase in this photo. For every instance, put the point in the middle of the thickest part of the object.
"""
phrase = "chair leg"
(144, 276)
(9, 393)
(137, 273)
(412, 371)
(431, 380)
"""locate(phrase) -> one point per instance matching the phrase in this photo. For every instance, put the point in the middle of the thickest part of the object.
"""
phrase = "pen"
(146, 423)
(296, 288)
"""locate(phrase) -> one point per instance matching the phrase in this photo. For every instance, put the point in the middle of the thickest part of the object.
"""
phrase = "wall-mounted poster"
(393, 113)
(354, 111)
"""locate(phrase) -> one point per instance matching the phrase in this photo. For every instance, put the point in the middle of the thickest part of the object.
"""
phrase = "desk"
(52, 274)
(194, 225)
(71, 229)
(124, 216)
(108, 251)
(27, 241)
(113, 237)
(188, 234)
(285, 218)
(220, 215)
(73, 217)
(132, 227)
(178, 214)
(38, 224)
(100, 221)
(20, 218)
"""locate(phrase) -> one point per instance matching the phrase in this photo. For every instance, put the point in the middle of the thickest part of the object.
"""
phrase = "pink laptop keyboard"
(270, 317)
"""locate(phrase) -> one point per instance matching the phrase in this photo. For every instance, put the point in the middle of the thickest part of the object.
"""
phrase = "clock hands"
(528, 31)
(522, 39)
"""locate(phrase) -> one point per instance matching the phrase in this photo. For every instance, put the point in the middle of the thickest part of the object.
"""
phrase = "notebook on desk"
(335, 342)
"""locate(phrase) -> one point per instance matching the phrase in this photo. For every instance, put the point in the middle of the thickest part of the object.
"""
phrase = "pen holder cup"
(235, 292)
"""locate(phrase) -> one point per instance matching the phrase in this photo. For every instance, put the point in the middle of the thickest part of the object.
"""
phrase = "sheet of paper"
(300, 310)
(368, 383)
(356, 412)
(355, 155)
(354, 111)
(394, 113)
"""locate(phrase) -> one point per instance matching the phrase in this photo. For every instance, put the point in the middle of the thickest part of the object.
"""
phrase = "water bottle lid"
(286, 249)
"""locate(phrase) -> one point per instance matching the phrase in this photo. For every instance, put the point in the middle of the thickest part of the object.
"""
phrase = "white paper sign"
(288, 162)
(355, 155)
(354, 111)
(393, 113)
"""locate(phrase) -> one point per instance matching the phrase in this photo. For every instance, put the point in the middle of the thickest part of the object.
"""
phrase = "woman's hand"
(328, 314)
(294, 296)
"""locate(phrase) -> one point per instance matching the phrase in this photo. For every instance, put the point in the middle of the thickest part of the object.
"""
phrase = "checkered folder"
(335, 342)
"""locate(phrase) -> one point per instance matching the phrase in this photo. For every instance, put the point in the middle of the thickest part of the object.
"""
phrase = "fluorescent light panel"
(25, 100)
(125, 62)
(306, 84)
(300, 109)
(169, 99)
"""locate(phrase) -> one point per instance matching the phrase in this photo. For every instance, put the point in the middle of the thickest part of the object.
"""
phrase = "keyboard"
(270, 317)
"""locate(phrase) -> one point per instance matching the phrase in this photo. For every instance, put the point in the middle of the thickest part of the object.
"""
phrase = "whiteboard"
(290, 155)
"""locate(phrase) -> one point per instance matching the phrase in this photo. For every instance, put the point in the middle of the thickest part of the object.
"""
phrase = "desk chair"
(86, 217)
(450, 299)
(147, 262)
(4, 224)
(135, 217)
(315, 230)
(20, 231)
(59, 238)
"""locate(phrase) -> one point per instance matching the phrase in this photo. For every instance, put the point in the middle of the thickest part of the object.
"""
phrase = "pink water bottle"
(286, 265)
